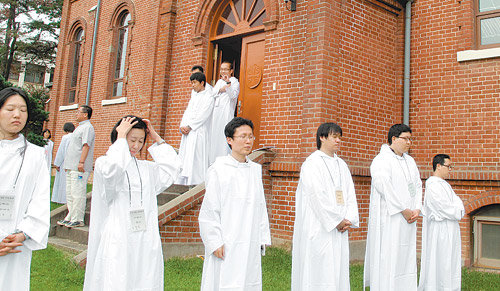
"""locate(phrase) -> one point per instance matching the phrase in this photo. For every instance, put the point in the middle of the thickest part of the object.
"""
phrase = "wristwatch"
(228, 82)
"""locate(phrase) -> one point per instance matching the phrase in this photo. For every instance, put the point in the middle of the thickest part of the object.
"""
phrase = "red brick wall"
(337, 60)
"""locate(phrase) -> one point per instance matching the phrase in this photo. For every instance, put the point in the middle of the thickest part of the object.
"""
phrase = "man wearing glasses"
(395, 203)
(233, 219)
(78, 164)
(226, 92)
(441, 261)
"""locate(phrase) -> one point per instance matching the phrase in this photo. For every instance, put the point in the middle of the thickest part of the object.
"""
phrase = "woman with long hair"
(125, 250)
(24, 193)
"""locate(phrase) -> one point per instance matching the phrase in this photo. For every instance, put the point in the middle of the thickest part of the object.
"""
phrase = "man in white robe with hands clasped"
(233, 219)
(325, 209)
(441, 261)
(395, 203)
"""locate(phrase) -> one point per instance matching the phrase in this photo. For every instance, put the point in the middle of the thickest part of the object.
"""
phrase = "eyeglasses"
(244, 137)
(450, 167)
(407, 139)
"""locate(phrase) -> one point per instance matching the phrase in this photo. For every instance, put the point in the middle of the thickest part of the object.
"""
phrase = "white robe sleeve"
(352, 205)
(166, 168)
(36, 221)
(203, 111)
(61, 151)
(112, 167)
(265, 232)
(233, 90)
(439, 207)
(210, 214)
(418, 186)
(322, 203)
(381, 180)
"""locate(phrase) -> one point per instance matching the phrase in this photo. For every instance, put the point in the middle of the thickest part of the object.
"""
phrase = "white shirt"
(83, 134)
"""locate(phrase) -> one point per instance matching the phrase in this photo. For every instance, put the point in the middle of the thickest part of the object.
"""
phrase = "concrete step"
(175, 188)
(164, 198)
(77, 234)
(67, 245)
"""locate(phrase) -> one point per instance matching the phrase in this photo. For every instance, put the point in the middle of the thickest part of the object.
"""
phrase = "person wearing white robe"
(49, 147)
(59, 187)
(233, 219)
(24, 193)
(198, 68)
(395, 203)
(441, 260)
(124, 250)
(325, 209)
(195, 126)
(226, 92)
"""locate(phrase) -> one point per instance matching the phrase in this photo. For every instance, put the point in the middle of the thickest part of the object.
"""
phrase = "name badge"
(137, 220)
(339, 196)
(411, 189)
(7, 203)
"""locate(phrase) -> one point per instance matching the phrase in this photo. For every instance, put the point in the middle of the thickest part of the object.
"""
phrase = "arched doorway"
(237, 35)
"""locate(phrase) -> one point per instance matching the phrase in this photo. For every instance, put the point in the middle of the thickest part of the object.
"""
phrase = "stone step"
(176, 188)
(77, 234)
(67, 245)
(164, 198)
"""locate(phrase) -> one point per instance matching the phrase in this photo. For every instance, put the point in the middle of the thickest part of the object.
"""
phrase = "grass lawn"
(52, 269)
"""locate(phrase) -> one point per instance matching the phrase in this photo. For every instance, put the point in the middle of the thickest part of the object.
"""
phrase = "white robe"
(320, 253)
(118, 258)
(31, 211)
(391, 245)
(193, 150)
(233, 214)
(48, 153)
(225, 104)
(59, 188)
(441, 261)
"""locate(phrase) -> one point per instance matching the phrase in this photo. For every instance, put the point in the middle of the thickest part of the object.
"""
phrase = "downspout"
(406, 87)
(92, 55)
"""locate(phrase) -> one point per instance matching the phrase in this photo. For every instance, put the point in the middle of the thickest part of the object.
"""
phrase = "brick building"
(329, 60)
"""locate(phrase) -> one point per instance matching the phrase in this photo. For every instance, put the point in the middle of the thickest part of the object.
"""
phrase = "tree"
(36, 39)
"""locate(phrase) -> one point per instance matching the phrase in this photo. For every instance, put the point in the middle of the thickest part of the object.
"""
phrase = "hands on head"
(154, 135)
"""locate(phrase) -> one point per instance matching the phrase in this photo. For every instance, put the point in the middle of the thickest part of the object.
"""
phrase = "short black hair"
(200, 77)
(197, 67)
(396, 130)
(47, 130)
(8, 92)
(325, 129)
(439, 159)
(234, 124)
(69, 127)
(140, 124)
(87, 109)
(228, 62)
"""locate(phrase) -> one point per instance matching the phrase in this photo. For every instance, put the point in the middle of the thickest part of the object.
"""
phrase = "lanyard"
(128, 180)
(331, 177)
(402, 169)
(22, 162)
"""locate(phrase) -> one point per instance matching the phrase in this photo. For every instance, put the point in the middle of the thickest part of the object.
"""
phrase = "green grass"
(52, 269)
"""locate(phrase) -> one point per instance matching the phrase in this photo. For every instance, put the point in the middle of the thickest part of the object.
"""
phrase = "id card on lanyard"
(339, 194)
(137, 215)
(7, 204)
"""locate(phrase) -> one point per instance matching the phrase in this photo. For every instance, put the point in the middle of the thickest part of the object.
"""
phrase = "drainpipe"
(92, 55)
(406, 87)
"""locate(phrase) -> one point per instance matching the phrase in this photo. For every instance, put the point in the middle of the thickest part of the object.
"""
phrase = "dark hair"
(396, 130)
(47, 130)
(439, 159)
(234, 124)
(140, 124)
(197, 67)
(230, 64)
(8, 92)
(200, 77)
(325, 130)
(69, 127)
(87, 109)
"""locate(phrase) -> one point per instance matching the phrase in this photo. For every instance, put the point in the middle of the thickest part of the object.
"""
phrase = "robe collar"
(15, 144)
(386, 149)
(231, 161)
(322, 154)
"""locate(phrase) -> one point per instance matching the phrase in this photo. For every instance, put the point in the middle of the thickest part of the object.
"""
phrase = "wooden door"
(251, 75)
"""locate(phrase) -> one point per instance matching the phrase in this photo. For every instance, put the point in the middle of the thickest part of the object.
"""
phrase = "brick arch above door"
(486, 198)
(208, 8)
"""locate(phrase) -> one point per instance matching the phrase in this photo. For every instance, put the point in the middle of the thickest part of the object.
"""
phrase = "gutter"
(92, 55)
(406, 86)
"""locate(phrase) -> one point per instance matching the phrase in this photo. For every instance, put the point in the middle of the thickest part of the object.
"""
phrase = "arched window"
(121, 41)
(75, 65)
(486, 231)
(240, 16)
